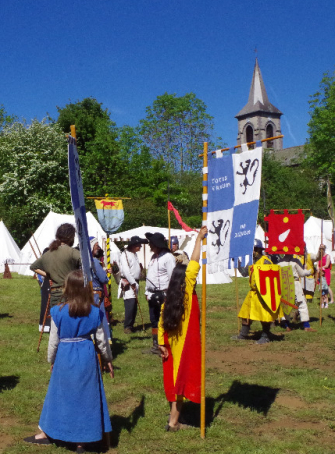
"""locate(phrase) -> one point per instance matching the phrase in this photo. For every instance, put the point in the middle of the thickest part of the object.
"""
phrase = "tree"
(321, 128)
(175, 129)
(88, 116)
(33, 175)
(290, 188)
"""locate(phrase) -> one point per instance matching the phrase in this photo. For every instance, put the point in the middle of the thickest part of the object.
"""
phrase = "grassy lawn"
(274, 398)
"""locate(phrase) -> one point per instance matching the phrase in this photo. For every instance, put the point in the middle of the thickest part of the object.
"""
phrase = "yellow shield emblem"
(287, 289)
(268, 284)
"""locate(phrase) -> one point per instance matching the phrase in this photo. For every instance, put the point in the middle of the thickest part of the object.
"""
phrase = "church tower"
(259, 119)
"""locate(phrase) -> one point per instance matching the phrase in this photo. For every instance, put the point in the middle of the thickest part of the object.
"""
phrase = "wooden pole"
(203, 301)
(320, 274)
(109, 275)
(39, 250)
(237, 302)
(249, 143)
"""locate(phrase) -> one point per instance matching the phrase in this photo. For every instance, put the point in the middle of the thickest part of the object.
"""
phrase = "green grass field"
(274, 398)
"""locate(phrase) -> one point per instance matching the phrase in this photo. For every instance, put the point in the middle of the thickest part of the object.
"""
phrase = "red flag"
(178, 217)
(285, 233)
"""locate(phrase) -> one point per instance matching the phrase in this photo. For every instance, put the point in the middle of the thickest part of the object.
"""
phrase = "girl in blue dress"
(75, 407)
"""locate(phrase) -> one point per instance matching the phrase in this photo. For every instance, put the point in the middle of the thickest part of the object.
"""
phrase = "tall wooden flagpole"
(320, 274)
(203, 300)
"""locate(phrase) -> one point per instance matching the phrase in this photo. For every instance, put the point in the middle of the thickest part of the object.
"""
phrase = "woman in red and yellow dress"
(179, 336)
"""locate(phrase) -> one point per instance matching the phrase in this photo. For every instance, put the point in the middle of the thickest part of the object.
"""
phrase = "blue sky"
(125, 53)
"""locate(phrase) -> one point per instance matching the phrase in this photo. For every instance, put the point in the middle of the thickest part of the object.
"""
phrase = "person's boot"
(154, 349)
(265, 336)
(243, 333)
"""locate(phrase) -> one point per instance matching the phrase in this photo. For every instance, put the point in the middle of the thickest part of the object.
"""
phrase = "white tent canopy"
(46, 232)
(9, 250)
(312, 235)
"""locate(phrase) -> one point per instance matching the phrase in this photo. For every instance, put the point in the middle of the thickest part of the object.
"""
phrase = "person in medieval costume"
(254, 307)
(99, 279)
(130, 278)
(160, 269)
(300, 300)
(58, 261)
(326, 266)
(179, 335)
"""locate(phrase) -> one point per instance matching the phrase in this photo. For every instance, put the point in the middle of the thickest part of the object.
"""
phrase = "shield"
(287, 289)
(267, 279)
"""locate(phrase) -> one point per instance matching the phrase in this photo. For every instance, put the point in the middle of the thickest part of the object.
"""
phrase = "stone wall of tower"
(259, 123)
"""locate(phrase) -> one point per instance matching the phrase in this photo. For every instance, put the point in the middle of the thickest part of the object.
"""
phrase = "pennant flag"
(234, 182)
(110, 214)
(285, 233)
(178, 217)
(78, 205)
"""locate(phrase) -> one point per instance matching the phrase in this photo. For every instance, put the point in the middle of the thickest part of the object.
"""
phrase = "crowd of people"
(80, 329)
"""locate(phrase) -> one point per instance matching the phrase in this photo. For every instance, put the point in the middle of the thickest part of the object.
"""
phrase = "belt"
(98, 292)
(56, 289)
(75, 339)
(137, 280)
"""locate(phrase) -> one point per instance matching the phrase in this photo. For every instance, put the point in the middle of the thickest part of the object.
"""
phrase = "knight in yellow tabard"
(254, 307)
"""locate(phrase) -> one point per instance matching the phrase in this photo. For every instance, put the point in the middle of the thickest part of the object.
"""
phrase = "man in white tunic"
(298, 272)
(159, 274)
(129, 283)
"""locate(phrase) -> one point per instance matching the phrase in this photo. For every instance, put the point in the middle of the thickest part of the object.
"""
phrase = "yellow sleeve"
(160, 328)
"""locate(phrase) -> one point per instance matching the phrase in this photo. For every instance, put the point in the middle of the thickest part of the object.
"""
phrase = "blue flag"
(78, 205)
(234, 182)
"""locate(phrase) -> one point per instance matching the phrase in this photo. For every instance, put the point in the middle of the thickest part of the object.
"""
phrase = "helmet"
(258, 244)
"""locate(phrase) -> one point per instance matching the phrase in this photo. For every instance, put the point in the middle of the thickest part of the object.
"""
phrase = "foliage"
(175, 129)
(87, 116)
(5, 119)
(290, 188)
(321, 128)
(33, 175)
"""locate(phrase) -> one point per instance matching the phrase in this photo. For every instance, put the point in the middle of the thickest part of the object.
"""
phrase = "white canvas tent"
(45, 234)
(9, 250)
(312, 235)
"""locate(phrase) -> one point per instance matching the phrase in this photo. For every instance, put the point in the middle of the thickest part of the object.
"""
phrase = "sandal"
(37, 441)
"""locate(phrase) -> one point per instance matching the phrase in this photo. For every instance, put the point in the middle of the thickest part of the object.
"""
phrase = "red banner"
(285, 233)
(178, 217)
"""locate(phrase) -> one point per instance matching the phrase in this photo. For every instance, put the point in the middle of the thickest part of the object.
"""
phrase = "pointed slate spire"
(258, 99)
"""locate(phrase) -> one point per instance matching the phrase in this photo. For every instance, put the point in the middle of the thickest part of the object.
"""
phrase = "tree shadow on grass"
(6, 315)
(254, 397)
(129, 423)
(8, 382)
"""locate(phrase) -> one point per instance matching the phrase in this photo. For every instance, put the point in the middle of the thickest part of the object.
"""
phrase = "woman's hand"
(203, 232)
(164, 351)
(110, 369)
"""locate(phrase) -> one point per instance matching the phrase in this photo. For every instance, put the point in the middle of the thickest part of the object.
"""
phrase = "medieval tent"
(312, 235)
(45, 234)
(9, 250)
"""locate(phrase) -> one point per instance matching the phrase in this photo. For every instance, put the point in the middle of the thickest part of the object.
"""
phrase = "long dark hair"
(65, 234)
(79, 298)
(174, 306)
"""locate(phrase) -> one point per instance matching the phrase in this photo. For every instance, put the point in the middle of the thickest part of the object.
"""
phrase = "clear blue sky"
(125, 53)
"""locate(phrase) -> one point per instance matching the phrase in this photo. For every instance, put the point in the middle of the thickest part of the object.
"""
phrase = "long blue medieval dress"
(75, 407)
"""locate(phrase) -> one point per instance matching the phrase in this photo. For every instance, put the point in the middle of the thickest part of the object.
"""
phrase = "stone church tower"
(259, 119)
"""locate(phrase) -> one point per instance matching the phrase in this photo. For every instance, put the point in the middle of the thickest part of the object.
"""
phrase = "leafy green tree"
(88, 116)
(290, 188)
(321, 128)
(175, 129)
(33, 175)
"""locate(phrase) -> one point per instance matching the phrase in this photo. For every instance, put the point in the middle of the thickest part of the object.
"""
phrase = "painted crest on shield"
(287, 288)
(268, 283)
